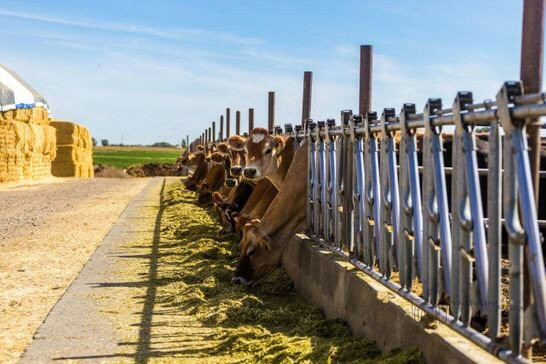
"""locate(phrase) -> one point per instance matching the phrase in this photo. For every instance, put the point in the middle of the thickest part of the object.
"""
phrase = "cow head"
(198, 157)
(187, 159)
(237, 144)
(257, 259)
(261, 150)
(222, 148)
(217, 158)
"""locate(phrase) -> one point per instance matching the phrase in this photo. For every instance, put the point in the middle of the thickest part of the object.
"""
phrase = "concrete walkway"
(80, 326)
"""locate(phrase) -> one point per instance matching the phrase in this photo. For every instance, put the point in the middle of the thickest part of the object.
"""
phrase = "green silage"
(268, 323)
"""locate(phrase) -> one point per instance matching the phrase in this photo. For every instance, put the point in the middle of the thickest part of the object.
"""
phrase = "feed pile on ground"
(270, 323)
(74, 150)
(27, 144)
(154, 169)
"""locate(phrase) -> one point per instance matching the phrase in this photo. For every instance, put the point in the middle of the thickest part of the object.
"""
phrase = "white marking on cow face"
(258, 137)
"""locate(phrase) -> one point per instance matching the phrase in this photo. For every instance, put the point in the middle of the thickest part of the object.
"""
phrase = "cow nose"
(236, 170)
(250, 172)
(236, 280)
(231, 182)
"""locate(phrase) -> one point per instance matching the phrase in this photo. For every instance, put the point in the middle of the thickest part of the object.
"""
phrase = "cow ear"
(278, 144)
(247, 227)
(236, 143)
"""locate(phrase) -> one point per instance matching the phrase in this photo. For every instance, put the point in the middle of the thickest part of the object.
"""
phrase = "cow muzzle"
(250, 172)
(236, 171)
(231, 182)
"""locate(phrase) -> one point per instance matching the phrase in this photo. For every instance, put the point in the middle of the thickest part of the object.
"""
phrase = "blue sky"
(158, 70)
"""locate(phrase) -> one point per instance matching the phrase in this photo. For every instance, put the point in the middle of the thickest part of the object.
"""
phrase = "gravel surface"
(26, 208)
(47, 233)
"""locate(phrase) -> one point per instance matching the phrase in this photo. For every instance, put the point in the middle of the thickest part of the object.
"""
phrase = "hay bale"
(74, 156)
(27, 145)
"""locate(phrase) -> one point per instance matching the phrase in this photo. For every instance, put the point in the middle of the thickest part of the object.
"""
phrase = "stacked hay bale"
(74, 150)
(27, 144)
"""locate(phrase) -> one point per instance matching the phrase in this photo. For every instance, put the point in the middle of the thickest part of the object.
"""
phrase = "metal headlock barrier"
(370, 202)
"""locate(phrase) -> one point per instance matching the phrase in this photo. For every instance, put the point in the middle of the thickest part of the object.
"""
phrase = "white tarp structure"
(15, 93)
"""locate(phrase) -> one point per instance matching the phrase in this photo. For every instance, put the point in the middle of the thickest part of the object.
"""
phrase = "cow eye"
(268, 151)
(250, 252)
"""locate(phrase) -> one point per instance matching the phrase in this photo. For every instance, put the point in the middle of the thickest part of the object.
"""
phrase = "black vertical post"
(237, 122)
(227, 123)
(270, 111)
(214, 136)
(250, 119)
(221, 127)
(365, 95)
(306, 104)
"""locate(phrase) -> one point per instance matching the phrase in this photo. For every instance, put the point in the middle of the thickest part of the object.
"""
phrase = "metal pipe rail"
(476, 118)
(376, 205)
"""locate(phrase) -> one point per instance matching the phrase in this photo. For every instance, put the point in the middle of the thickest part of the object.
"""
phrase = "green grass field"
(122, 157)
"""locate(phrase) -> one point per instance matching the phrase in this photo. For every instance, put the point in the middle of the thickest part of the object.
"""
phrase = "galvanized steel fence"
(372, 200)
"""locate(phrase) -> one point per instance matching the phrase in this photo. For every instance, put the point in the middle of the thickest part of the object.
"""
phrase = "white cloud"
(178, 34)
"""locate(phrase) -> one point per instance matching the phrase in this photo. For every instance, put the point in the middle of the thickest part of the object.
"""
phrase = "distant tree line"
(106, 143)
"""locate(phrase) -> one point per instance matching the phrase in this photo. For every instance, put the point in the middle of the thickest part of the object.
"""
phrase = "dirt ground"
(48, 231)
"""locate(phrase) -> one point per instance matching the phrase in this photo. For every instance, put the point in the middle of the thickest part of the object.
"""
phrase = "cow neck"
(286, 157)
(289, 203)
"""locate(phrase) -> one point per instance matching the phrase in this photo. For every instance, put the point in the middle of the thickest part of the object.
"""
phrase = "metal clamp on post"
(346, 179)
(331, 196)
(373, 188)
(288, 129)
(311, 174)
(390, 198)
(436, 224)
(298, 133)
(358, 188)
(470, 211)
(278, 130)
(411, 223)
(517, 180)
(318, 187)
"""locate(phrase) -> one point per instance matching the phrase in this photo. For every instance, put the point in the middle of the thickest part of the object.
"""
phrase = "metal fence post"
(347, 189)
(250, 120)
(237, 122)
(221, 128)
(307, 89)
(214, 136)
(228, 126)
(270, 111)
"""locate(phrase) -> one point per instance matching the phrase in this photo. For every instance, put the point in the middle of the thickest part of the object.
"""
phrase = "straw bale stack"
(74, 150)
(27, 145)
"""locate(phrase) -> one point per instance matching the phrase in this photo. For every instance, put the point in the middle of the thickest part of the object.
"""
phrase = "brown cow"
(227, 208)
(264, 240)
(258, 202)
(215, 178)
(237, 155)
(268, 156)
(200, 172)
(271, 176)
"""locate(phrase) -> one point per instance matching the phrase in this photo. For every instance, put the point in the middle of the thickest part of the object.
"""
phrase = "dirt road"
(47, 233)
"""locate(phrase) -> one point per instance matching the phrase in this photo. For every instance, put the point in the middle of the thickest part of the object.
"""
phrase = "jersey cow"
(264, 240)
(196, 159)
(267, 156)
